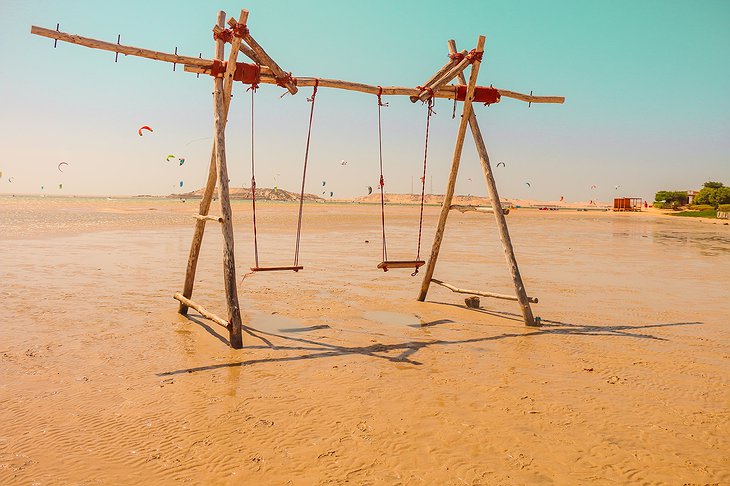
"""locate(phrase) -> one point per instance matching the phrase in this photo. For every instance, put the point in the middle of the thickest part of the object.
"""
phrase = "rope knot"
(382, 181)
(239, 30)
(284, 80)
(426, 88)
(457, 56)
(475, 56)
(380, 99)
(314, 91)
(224, 35)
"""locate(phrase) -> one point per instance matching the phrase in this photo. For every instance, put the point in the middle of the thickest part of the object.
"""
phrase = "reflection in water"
(709, 244)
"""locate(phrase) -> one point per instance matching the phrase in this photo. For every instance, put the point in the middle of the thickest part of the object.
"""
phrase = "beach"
(344, 377)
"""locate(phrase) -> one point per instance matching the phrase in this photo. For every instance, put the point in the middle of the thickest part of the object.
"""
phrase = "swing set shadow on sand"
(265, 70)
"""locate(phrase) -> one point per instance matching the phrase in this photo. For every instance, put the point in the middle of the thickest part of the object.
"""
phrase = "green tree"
(713, 196)
(673, 197)
(712, 185)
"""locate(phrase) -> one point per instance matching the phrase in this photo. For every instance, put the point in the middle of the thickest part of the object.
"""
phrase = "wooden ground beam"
(451, 186)
(207, 196)
(509, 251)
(201, 310)
(534, 300)
(220, 98)
(463, 208)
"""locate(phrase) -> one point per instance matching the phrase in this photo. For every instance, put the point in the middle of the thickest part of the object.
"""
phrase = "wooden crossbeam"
(463, 208)
(268, 76)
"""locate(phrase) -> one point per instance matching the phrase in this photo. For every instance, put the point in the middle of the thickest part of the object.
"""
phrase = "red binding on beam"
(245, 72)
(482, 94)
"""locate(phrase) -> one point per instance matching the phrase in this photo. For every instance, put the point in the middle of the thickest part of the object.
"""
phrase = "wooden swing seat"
(295, 268)
(387, 264)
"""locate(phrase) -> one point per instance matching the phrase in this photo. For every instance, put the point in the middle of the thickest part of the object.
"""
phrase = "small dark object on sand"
(472, 302)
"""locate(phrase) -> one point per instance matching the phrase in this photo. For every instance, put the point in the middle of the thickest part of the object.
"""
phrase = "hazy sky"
(645, 85)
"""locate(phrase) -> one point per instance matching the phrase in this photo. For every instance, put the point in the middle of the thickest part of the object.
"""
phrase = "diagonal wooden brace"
(217, 30)
(445, 78)
(453, 61)
(283, 77)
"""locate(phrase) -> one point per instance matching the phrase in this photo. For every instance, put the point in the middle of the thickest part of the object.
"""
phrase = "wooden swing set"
(265, 70)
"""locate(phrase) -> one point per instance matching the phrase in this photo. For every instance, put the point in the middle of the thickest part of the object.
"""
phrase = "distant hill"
(262, 193)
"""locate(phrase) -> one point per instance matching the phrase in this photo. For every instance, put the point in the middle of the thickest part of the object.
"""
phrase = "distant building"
(627, 204)
(691, 196)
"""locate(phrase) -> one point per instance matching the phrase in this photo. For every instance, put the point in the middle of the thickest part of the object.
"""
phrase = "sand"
(345, 377)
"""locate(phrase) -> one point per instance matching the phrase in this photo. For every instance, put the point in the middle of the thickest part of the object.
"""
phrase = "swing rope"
(253, 89)
(423, 181)
(382, 181)
(304, 173)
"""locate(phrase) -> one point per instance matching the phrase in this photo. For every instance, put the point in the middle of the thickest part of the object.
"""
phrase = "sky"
(645, 84)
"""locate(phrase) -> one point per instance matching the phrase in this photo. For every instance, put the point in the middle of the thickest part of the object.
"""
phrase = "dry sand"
(346, 378)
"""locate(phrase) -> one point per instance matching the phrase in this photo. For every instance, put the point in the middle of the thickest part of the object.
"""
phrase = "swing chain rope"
(304, 173)
(382, 180)
(423, 182)
(253, 182)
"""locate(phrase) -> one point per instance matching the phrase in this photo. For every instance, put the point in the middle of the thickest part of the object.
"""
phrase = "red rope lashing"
(426, 88)
(225, 35)
(304, 172)
(287, 78)
(239, 30)
(457, 56)
(253, 184)
(482, 94)
(218, 68)
(382, 180)
(475, 55)
(423, 182)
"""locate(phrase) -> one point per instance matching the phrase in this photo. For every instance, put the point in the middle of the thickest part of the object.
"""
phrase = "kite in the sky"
(170, 157)
(528, 184)
(370, 190)
(593, 186)
(182, 161)
(60, 186)
(502, 164)
(343, 162)
(324, 183)
(59, 166)
(181, 183)
(332, 194)
(10, 179)
(562, 198)
(145, 127)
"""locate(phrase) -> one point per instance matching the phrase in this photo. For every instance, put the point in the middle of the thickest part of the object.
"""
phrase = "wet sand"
(344, 376)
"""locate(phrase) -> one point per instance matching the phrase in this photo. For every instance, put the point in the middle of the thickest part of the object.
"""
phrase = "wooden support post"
(265, 59)
(461, 134)
(221, 98)
(207, 196)
(509, 252)
(446, 67)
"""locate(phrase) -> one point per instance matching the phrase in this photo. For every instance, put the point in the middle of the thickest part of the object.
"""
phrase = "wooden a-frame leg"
(451, 186)
(207, 195)
(509, 252)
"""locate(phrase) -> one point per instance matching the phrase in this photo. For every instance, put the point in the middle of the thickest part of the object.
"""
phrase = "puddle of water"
(393, 318)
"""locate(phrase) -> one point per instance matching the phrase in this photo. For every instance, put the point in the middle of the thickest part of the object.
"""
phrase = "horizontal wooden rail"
(201, 217)
(479, 292)
(203, 66)
(480, 209)
(201, 310)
